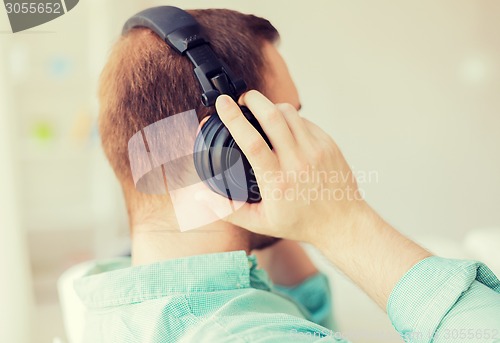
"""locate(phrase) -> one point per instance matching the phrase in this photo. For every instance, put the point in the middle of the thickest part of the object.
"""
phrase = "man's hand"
(295, 177)
(309, 194)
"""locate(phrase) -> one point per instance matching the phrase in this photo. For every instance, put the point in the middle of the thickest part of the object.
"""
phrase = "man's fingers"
(295, 123)
(247, 216)
(314, 129)
(248, 138)
(272, 121)
(242, 214)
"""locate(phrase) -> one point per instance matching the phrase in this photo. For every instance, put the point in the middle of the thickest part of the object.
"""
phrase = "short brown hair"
(145, 81)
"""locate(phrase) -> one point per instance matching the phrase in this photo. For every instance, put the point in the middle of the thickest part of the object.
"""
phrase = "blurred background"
(409, 90)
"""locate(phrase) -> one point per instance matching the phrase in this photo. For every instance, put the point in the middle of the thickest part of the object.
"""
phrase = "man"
(198, 286)
(428, 299)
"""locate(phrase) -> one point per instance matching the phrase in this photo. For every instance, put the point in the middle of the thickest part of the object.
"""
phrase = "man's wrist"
(344, 225)
(370, 252)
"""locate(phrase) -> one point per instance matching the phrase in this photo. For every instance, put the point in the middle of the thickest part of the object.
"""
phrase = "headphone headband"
(183, 33)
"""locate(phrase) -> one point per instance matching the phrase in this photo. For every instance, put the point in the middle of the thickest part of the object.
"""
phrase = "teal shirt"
(226, 298)
(446, 301)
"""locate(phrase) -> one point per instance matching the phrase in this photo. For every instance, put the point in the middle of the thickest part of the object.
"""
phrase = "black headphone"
(215, 150)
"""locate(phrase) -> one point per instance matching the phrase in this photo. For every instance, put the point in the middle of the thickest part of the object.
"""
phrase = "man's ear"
(202, 122)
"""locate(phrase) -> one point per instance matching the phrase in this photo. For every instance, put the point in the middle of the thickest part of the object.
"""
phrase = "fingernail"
(223, 101)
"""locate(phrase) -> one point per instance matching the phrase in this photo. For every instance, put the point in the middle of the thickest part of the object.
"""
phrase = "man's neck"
(154, 243)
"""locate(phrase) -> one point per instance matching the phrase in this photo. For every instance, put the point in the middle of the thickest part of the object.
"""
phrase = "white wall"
(16, 302)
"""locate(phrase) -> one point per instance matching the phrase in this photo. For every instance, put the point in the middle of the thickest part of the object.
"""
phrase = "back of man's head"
(145, 81)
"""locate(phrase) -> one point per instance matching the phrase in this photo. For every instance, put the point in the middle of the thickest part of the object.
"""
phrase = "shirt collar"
(115, 283)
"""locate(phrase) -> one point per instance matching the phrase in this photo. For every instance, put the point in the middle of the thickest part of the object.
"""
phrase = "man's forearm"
(371, 253)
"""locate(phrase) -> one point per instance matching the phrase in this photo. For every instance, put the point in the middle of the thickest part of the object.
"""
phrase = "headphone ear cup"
(221, 164)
